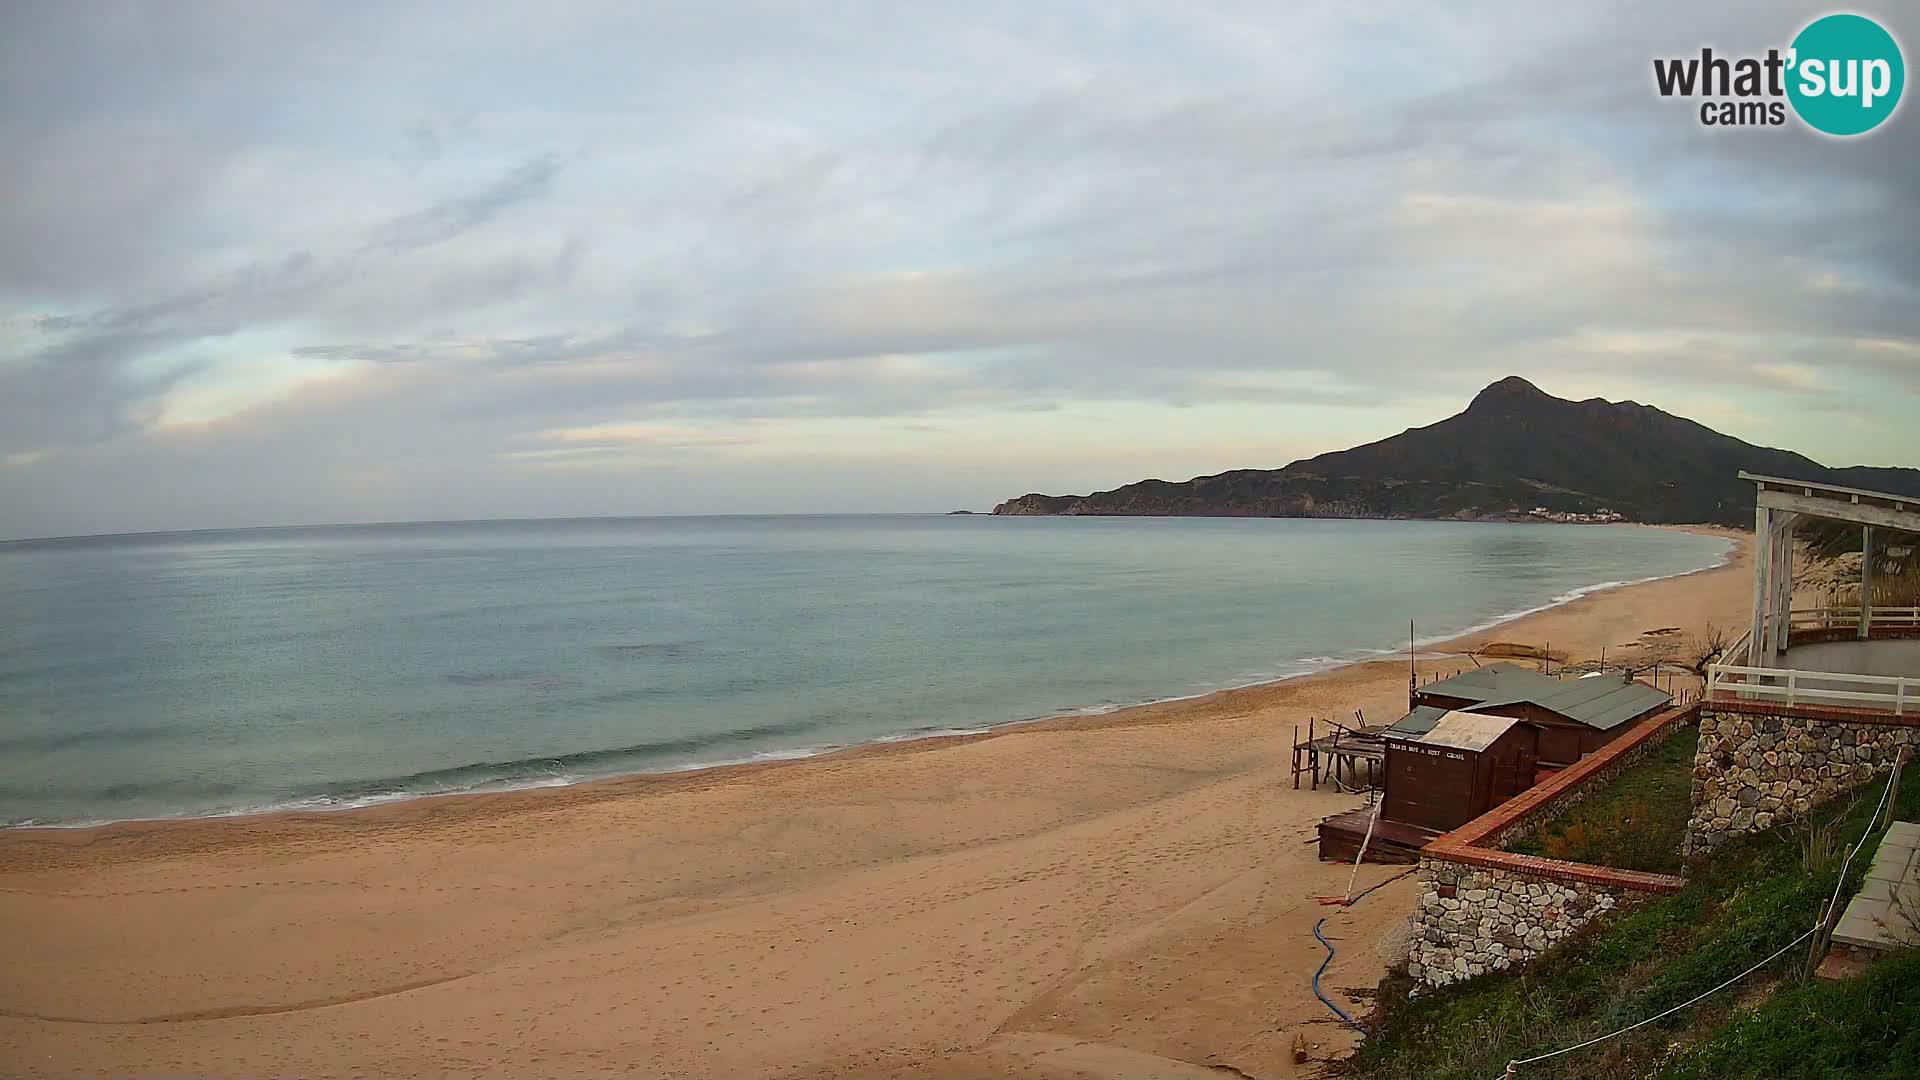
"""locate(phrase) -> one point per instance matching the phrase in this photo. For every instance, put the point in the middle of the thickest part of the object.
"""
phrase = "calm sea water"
(213, 673)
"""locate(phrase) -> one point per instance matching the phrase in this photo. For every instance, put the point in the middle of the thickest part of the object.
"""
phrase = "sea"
(224, 673)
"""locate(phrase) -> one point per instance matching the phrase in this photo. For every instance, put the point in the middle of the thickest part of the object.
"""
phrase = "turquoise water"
(225, 672)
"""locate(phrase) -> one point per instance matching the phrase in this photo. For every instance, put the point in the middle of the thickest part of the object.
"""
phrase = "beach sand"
(1122, 895)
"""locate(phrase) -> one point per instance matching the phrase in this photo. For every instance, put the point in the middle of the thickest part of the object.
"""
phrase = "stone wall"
(1472, 919)
(1761, 763)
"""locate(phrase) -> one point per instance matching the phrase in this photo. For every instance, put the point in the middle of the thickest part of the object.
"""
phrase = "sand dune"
(1127, 895)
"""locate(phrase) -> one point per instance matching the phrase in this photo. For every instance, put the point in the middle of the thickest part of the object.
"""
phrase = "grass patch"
(1867, 1027)
(1635, 821)
(1743, 904)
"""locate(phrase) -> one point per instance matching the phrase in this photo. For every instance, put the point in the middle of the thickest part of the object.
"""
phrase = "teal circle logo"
(1846, 74)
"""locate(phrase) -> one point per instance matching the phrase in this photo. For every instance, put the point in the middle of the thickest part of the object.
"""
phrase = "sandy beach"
(1123, 895)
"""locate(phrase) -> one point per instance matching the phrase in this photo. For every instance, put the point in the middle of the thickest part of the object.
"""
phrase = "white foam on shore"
(933, 733)
(1568, 597)
(1300, 668)
(1316, 665)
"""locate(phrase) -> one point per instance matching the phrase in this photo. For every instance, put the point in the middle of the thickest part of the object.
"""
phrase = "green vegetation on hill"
(1633, 823)
(1513, 449)
(1741, 905)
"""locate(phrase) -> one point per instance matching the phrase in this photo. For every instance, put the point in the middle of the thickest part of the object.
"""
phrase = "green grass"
(1635, 822)
(1740, 906)
(1864, 1027)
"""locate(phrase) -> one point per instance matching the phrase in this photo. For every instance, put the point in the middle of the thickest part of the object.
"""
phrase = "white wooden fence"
(1732, 675)
(1891, 693)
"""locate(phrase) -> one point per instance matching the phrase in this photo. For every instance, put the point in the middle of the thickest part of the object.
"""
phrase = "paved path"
(1885, 914)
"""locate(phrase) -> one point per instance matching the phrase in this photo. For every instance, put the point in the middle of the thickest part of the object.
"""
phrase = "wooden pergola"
(1780, 503)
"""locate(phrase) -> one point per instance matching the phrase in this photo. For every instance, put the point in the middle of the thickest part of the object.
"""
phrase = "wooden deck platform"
(1393, 841)
(1355, 751)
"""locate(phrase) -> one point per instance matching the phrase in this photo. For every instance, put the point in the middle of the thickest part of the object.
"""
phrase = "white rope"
(1669, 1012)
(1344, 789)
(1364, 841)
(1898, 760)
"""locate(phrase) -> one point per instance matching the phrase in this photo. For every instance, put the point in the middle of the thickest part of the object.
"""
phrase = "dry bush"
(1704, 648)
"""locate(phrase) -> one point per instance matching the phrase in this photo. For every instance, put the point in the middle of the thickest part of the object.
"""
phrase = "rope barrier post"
(1819, 947)
(1513, 1068)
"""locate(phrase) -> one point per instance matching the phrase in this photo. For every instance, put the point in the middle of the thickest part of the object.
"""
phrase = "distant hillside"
(1513, 449)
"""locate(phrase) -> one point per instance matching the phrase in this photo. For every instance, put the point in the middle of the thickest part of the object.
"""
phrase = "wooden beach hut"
(1443, 769)
(1462, 766)
(1575, 716)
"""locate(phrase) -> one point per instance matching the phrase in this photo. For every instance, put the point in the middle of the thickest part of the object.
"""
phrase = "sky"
(277, 263)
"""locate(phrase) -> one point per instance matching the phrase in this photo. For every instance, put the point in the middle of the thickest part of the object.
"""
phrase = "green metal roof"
(1494, 682)
(1416, 723)
(1601, 702)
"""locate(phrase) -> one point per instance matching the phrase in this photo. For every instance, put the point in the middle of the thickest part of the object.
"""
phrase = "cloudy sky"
(278, 263)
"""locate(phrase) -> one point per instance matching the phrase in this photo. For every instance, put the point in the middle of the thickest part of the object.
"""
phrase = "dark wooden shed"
(1464, 765)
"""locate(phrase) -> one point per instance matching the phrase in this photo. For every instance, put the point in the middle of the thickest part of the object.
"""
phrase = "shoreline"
(1429, 648)
(529, 797)
(1127, 894)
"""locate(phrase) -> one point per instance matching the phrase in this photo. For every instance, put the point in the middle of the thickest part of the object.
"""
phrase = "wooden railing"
(1890, 693)
(1830, 618)
(1737, 653)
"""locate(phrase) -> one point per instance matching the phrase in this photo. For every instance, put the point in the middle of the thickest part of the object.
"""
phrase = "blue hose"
(1328, 945)
(1324, 999)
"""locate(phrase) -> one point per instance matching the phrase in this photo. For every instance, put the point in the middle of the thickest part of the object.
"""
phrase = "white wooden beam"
(1783, 585)
(1757, 652)
(1808, 486)
(1834, 510)
(1866, 581)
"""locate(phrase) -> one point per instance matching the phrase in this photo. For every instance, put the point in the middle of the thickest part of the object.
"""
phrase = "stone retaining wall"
(1473, 920)
(1761, 763)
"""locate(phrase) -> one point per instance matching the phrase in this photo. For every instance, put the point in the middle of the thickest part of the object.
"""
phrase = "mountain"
(1513, 449)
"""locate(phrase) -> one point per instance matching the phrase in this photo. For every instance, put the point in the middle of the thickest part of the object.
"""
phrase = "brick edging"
(1840, 714)
(1465, 844)
(1554, 869)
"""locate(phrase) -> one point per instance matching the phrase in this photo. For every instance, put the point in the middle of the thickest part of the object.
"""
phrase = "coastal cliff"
(1514, 453)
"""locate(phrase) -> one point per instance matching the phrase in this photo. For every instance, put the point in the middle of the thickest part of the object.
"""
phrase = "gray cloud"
(951, 216)
(456, 215)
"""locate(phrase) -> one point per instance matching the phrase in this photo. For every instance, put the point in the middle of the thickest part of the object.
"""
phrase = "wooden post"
(1819, 947)
(1313, 755)
(1866, 581)
(1296, 757)
(1757, 652)
(1783, 583)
